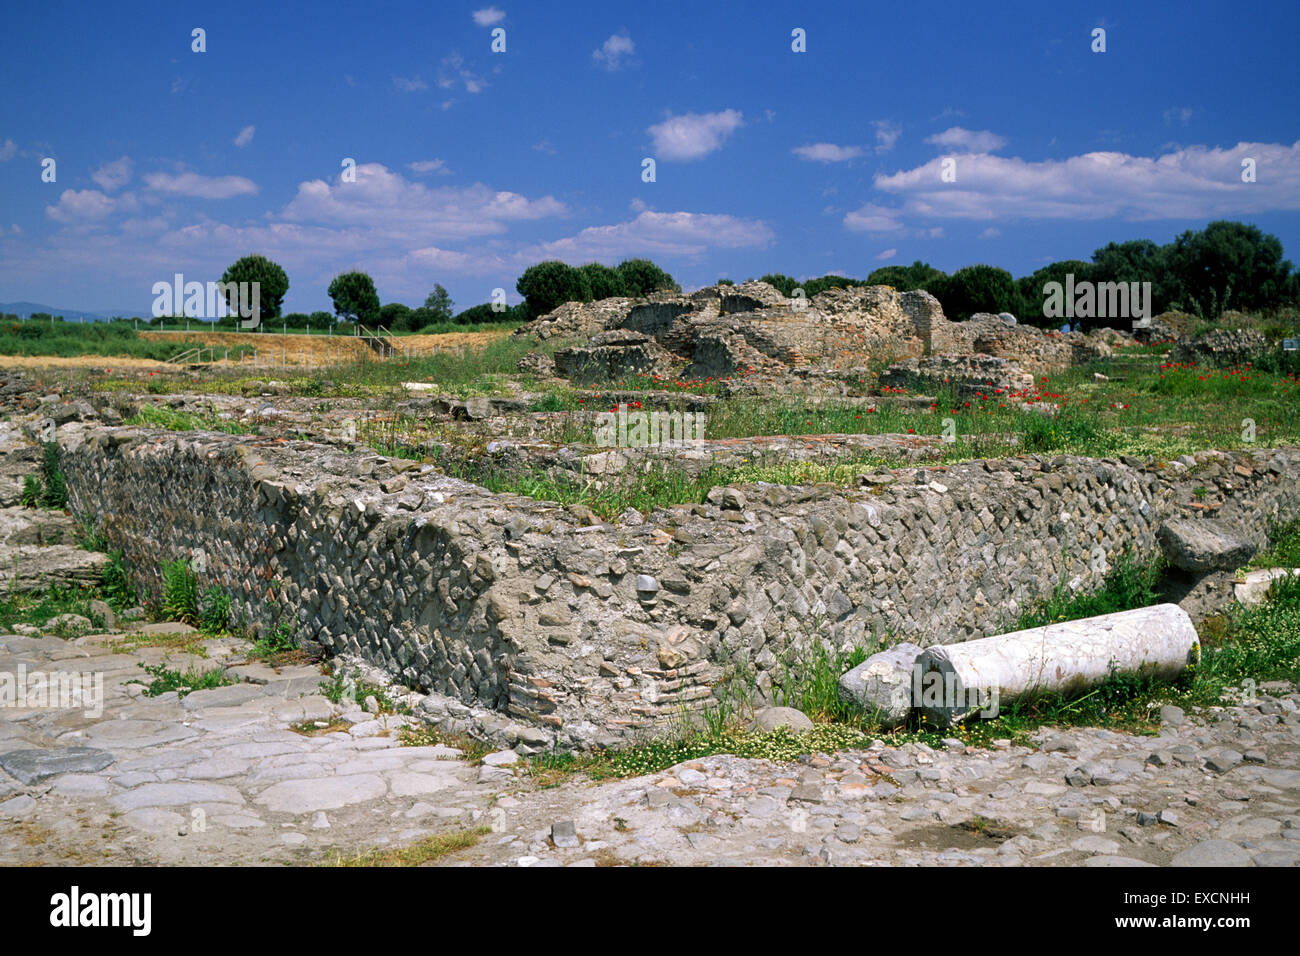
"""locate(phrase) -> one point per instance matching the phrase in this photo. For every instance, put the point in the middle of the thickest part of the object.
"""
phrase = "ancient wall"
(597, 632)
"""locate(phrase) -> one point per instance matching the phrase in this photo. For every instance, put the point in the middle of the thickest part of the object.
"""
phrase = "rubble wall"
(599, 633)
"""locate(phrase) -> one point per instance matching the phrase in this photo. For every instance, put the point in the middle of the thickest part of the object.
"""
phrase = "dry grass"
(424, 852)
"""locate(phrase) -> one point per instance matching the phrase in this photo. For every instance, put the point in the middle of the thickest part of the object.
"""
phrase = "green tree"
(642, 277)
(604, 282)
(273, 283)
(321, 320)
(1137, 260)
(395, 317)
(974, 289)
(438, 302)
(354, 297)
(1227, 265)
(905, 278)
(817, 286)
(548, 285)
(1031, 297)
(782, 283)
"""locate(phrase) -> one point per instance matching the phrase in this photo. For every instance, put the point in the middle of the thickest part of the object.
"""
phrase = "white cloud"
(78, 207)
(1179, 116)
(970, 141)
(452, 71)
(113, 176)
(1196, 182)
(656, 233)
(200, 187)
(992, 232)
(827, 152)
(887, 134)
(8, 150)
(386, 202)
(611, 53)
(409, 84)
(887, 254)
(245, 136)
(873, 218)
(694, 135)
(429, 166)
(489, 16)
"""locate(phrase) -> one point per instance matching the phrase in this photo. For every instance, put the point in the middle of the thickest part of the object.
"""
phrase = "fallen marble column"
(954, 681)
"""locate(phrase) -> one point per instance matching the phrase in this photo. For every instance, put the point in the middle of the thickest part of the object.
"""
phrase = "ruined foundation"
(591, 635)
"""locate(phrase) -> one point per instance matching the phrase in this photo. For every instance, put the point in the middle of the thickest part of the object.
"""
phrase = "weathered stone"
(882, 684)
(770, 718)
(33, 766)
(1203, 545)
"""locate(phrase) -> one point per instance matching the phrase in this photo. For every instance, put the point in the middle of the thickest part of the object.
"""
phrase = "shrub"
(180, 601)
(215, 615)
(782, 283)
(115, 583)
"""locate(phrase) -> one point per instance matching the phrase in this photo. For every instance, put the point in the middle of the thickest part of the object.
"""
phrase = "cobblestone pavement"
(220, 778)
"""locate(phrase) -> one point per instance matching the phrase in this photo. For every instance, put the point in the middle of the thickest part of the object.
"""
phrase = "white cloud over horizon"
(1196, 182)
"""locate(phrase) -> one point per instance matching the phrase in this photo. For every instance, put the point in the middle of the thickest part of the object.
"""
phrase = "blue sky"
(472, 164)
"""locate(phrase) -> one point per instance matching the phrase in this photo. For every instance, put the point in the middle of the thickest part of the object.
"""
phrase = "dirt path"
(292, 350)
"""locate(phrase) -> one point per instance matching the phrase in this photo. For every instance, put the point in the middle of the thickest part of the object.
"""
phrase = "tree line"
(1225, 266)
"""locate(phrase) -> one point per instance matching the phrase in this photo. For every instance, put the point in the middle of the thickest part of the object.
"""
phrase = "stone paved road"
(219, 778)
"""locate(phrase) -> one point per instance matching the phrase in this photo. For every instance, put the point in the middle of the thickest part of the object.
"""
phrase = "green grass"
(340, 688)
(809, 681)
(36, 609)
(1284, 547)
(1128, 584)
(109, 339)
(166, 679)
(276, 640)
(155, 416)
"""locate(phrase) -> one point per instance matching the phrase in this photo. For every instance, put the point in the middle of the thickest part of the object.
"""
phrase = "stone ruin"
(752, 332)
(524, 620)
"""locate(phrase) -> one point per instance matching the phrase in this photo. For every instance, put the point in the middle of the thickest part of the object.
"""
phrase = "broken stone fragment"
(883, 684)
(1203, 545)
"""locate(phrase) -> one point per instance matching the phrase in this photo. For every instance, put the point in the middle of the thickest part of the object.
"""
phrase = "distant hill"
(25, 309)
